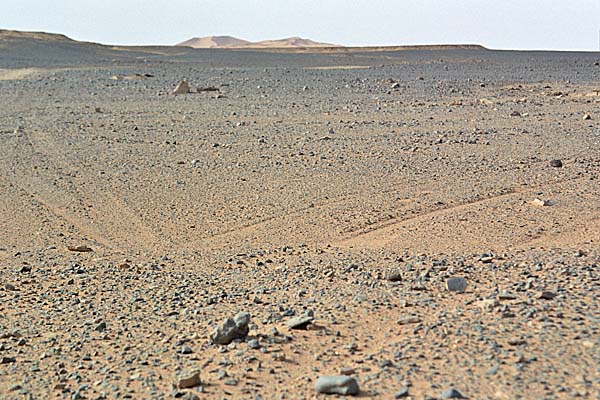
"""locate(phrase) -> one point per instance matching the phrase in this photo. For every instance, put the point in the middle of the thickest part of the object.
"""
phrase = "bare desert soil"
(344, 187)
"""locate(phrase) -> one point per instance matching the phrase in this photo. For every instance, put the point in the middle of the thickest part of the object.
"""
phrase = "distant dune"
(229, 42)
(214, 42)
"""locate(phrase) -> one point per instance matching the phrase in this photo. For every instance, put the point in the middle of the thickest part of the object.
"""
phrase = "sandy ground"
(304, 186)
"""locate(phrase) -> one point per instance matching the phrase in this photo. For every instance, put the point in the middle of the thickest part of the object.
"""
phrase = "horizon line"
(351, 46)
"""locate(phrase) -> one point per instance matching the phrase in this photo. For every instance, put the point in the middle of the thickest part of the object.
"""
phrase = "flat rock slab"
(299, 322)
(80, 249)
(451, 394)
(456, 284)
(344, 385)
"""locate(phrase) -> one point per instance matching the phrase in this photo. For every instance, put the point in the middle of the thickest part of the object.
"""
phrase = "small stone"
(506, 296)
(344, 385)
(347, 371)
(80, 249)
(493, 370)
(7, 360)
(451, 394)
(299, 322)
(587, 117)
(540, 203)
(401, 393)
(25, 268)
(456, 284)
(556, 163)
(487, 304)
(394, 276)
(516, 342)
(182, 88)
(101, 327)
(254, 344)
(395, 85)
(15, 387)
(545, 295)
(186, 350)
(588, 344)
(413, 319)
(189, 379)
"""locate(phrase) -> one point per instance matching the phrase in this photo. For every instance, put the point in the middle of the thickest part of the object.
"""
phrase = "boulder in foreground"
(231, 329)
(341, 384)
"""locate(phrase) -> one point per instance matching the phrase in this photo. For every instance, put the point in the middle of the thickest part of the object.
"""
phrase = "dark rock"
(451, 394)
(101, 327)
(556, 163)
(456, 284)
(231, 329)
(25, 268)
(547, 295)
(394, 276)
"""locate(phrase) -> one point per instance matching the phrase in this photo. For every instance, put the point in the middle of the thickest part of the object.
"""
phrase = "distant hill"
(213, 42)
(229, 42)
(6, 34)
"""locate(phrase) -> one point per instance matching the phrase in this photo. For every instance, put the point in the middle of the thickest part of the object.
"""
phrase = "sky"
(498, 24)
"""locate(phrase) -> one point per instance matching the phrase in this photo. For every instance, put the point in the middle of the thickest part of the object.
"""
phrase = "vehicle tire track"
(379, 234)
(110, 222)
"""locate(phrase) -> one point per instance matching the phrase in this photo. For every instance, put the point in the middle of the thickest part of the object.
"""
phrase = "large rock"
(337, 385)
(231, 329)
(456, 284)
(182, 88)
(189, 379)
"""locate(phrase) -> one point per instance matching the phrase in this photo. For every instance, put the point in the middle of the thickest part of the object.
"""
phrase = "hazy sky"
(515, 24)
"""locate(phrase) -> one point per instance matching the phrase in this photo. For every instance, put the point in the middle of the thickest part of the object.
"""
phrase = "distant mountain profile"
(6, 34)
(21, 49)
(229, 42)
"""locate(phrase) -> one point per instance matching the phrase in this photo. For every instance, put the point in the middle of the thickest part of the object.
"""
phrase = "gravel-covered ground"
(335, 198)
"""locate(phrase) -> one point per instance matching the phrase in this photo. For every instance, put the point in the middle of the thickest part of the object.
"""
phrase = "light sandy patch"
(17, 74)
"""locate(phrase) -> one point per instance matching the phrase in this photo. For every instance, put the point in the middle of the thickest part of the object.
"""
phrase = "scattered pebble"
(556, 163)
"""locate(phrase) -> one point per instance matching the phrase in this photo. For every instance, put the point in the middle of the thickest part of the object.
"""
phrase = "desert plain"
(342, 198)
